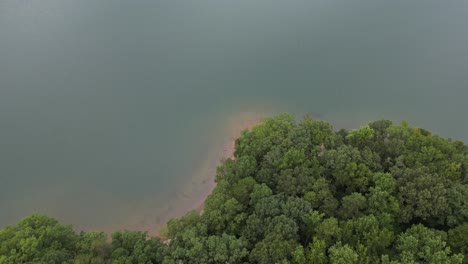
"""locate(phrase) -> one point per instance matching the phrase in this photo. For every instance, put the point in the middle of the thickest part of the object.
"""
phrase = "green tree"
(352, 205)
(273, 249)
(296, 192)
(133, 247)
(37, 238)
(298, 256)
(317, 252)
(329, 231)
(420, 244)
(360, 137)
(340, 254)
(422, 195)
(92, 247)
(321, 197)
(458, 240)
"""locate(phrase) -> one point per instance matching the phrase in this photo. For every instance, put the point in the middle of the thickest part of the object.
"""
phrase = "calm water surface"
(110, 111)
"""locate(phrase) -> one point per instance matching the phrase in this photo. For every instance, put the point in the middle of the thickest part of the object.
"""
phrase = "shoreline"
(221, 152)
(229, 148)
(152, 214)
(192, 195)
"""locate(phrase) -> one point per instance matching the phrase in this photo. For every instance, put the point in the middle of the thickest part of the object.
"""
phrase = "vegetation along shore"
(295, 192)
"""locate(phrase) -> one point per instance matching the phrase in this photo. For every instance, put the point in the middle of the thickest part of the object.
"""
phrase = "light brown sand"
(202, 183)
(193, 195)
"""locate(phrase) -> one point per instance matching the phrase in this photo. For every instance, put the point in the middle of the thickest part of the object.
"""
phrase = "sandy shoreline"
(208, 169)
(192, 195)
(228, 150)
(154, 212)
(202, 182)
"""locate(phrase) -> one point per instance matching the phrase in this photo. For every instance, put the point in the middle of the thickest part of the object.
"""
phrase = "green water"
(109, 108)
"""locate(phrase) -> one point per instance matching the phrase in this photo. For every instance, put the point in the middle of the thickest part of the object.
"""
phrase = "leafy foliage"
(297, 192)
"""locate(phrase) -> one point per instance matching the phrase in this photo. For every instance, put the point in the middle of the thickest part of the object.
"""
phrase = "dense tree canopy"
(297, 192)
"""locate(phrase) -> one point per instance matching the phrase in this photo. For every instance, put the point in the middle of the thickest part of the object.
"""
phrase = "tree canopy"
(296, 192)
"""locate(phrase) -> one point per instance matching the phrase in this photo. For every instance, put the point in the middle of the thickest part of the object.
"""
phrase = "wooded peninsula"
(295, 192)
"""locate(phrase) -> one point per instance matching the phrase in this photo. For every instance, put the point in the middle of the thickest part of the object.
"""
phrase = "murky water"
(113, 114)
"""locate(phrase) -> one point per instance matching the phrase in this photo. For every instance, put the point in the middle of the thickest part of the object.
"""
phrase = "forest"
(296, 192)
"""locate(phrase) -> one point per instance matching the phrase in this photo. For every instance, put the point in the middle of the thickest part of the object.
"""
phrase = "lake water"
(113, 114)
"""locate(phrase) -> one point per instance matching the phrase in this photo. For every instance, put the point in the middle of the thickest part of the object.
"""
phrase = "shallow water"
(113, 114)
